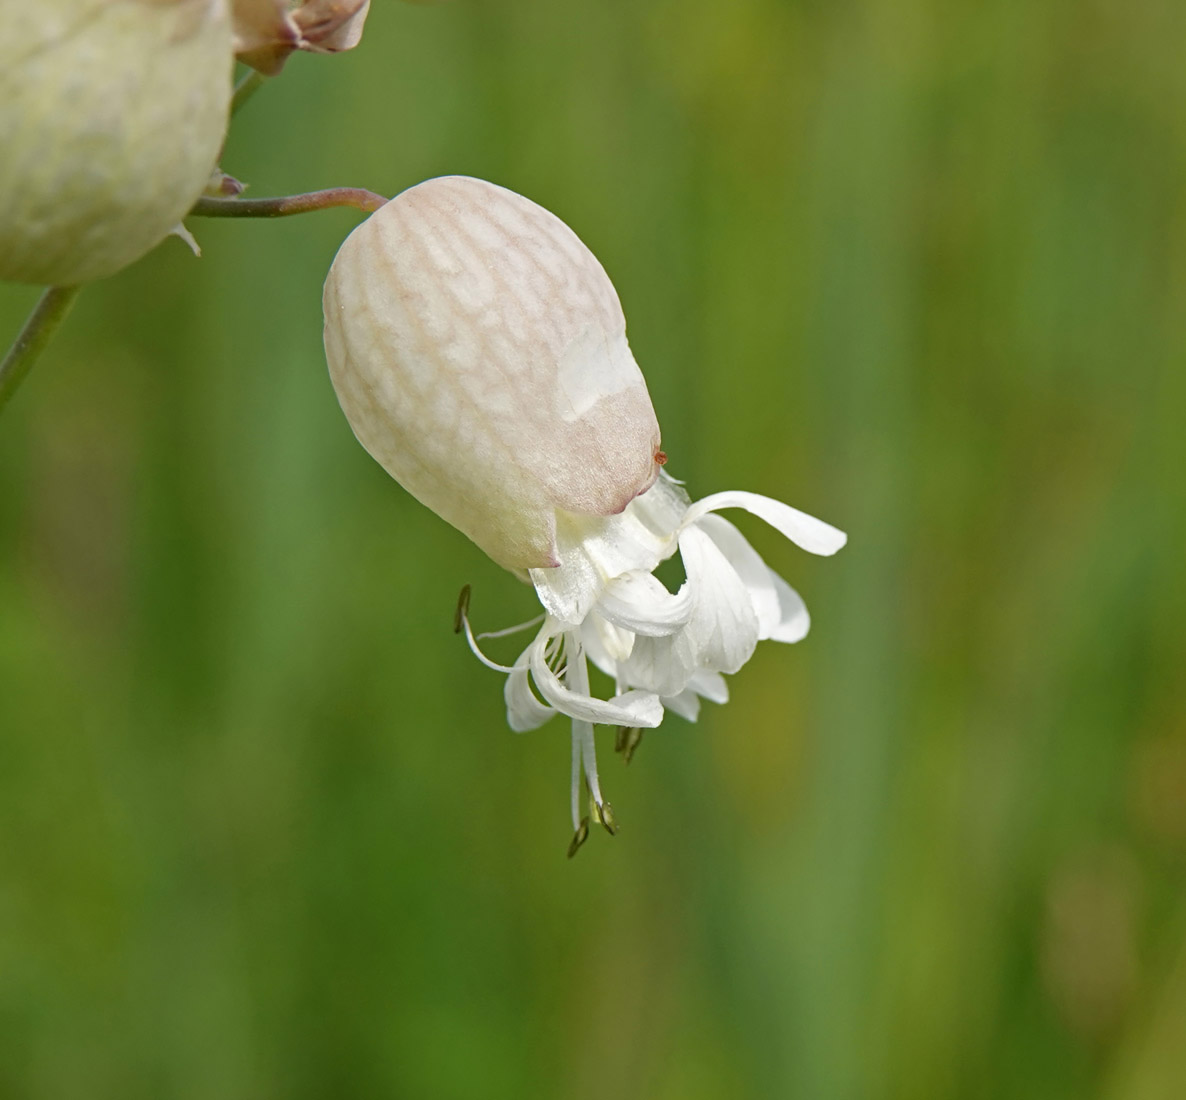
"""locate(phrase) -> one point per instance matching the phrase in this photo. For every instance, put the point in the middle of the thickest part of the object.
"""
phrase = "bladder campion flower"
(479, 351)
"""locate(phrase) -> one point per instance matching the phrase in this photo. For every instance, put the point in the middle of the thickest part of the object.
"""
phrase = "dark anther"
(633, 740)
(605, 817)
(462, 610)
(579, 837)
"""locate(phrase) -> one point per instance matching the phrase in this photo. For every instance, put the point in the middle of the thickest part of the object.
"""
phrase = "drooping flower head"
(479, 351)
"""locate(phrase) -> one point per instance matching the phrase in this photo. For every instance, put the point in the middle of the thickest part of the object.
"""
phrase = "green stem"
(50, 311)
(286, 205)
(245, 89)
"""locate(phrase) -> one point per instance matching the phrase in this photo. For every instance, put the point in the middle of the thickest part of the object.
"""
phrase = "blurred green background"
(917, 268)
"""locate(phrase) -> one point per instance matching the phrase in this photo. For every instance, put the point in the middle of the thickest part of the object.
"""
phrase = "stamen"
(582, 732)
(603, 814)
(576, 785)
(553, 652)
(461, 622)
(579, 837)
(510, 629)
(462, 608)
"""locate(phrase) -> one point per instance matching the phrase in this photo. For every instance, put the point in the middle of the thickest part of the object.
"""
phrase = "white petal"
(638, 602)
(595, 633)
(750, 568)
(812, 534)
(662, 665)
(634, 708)
(701, 684)
(524, 710)
(686, 704)
(661, 509)
(711, 685)
(570, 590)
(724, 626)
(795, 621)
(591, 550)
(617, 642)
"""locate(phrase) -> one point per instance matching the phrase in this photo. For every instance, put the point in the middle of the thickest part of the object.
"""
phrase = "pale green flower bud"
(479, 351)
(112, 116)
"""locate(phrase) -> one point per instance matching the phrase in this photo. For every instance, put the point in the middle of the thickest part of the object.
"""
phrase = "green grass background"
(916, 267)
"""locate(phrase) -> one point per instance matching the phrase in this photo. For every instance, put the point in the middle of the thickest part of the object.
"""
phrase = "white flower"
(479, 352)
(663, 650)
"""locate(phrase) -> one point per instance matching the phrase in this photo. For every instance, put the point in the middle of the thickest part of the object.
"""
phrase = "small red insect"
(660, 458)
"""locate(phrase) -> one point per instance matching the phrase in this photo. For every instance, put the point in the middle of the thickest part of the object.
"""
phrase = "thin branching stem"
(286, 205)
(245, 89)
(47, 315)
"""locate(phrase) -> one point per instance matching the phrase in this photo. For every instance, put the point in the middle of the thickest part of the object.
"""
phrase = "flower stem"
(245, 89)
(286, 205)
(50, 311)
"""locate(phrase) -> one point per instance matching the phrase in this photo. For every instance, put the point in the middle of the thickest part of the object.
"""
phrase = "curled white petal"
(524, 711)
(599, 638)
(592, 550)
(807, 532)
(638, 602)
(662, 665)
(616, 642)
(794, 621)
(633, 708)
(750, 568)
(724, 626)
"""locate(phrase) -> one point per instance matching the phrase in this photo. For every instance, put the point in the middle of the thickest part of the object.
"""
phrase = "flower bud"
(267, 31)
(264, 33)
(479, 351)
(112, 115)
(331, 26)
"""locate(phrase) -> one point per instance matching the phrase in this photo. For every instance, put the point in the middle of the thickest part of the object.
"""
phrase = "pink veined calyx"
(479, 352)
